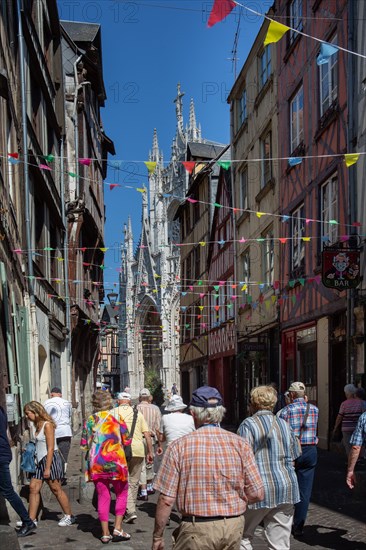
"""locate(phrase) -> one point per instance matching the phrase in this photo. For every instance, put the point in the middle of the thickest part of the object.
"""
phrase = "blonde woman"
(49, 463)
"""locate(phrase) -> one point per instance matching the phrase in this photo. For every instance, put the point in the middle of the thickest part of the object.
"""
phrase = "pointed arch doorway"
(149, 339)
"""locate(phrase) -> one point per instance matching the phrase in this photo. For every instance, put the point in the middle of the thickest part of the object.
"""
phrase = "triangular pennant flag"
(113, 185)
(201, 307)
(150, 166)
(103, 249)
(85, 162)
(191, 200)
(260, 214)
(285, 218)
(301, 281)
(72, 175)
(220, 10)
(216, 287)
(351, 159)
(13, 161)
(282, 240)
(326, 51)
(202, 243)
(13, 155)
(189, 165)
(292, 283)
(217, 308)
(293, 161)
(306, 239)
(44, 167)
(275, 32)
(49, 158)
(217, 205)
(141, 189)
(225, 164)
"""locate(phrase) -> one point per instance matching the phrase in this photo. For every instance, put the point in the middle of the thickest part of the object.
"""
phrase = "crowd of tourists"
(222, 485)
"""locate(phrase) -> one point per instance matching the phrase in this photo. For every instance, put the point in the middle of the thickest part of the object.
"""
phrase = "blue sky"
(148, 47)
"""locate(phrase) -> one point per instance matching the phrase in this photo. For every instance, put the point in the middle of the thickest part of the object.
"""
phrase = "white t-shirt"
(175, 425)
(60, 410)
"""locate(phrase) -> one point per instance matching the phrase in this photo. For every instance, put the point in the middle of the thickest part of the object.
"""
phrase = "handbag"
(262, 444)
(29, 458)
(128, 448)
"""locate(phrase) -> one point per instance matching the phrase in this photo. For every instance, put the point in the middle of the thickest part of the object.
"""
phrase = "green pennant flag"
(292, 283)
(218, 205)
(225, 164)
(49, 158)
(72, 175)
(216, 287)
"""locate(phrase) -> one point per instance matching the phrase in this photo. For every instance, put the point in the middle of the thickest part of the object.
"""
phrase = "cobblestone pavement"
(336, 518)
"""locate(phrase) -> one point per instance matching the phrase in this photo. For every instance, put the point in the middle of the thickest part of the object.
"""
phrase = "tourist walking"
(49, 467)
(176, 423)
(212, 475)
(358, 439)
(137, 426)
(61, 411)
(104, 437)
(348, 415)
(275, 448)
(152, 415)
(303, 419)
(6, 487)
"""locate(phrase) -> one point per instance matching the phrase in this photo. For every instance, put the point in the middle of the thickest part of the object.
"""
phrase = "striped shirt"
(210, 472)
(152, 415)
(358, 437)
(294, 414)
(350, 411)
(274, 457)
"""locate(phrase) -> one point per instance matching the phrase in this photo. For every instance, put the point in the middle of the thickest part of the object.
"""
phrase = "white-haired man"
(211, 474)
(140, 430)
(303, 419)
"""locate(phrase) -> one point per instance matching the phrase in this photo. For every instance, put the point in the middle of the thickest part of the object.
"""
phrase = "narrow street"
(336, 518)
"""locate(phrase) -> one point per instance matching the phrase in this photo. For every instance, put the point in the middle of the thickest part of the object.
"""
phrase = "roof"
(205, 150)
(80, 31)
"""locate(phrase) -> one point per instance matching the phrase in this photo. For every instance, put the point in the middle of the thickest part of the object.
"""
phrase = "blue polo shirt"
(5, 452)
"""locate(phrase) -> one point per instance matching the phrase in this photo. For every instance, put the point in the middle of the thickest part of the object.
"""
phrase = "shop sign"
(253, 346)
(340, 268)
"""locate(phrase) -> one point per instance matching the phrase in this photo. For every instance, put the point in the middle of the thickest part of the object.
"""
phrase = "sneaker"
(130, 517)
(26, 530)
(66, 521)
(19, 523)
(142, 497)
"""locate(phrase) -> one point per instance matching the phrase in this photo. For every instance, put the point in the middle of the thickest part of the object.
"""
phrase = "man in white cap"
(176, 424)
(135, 464)
(303, 419)
(152, 415)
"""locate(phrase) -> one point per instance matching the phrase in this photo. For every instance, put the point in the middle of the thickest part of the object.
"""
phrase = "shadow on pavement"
(329, 537)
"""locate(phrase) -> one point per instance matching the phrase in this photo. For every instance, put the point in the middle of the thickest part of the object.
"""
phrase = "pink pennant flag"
(85, 162)
(191, 200)
(202, 294)
(44, 167)
(220, 10)
(189, 165)
(18, 251)
(282, 240)
(190, 288)
(318, 278)
(221, 283)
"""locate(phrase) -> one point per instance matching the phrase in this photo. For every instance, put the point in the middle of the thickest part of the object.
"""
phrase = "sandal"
(105, 539)
(120, 535)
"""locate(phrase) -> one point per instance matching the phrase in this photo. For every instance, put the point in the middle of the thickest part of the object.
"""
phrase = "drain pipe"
(75, 120)
(27, 207)
(66, 271)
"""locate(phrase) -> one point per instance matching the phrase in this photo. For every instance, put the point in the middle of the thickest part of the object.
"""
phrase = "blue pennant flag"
(326, 51)
(293, 161)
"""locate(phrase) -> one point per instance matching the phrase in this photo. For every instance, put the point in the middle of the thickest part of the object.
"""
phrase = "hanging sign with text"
(340, 268)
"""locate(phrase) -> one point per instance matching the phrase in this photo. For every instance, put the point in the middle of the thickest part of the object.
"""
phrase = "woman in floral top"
(104, 437)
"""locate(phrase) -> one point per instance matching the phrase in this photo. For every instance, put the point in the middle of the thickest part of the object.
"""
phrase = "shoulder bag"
(265, 439)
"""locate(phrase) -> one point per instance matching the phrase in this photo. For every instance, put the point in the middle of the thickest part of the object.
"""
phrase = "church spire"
(179, 109)
(194, 133)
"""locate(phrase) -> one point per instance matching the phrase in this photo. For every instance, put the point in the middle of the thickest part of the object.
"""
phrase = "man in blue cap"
(211, 474)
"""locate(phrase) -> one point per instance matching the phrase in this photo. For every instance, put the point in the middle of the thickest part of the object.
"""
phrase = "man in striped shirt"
(212, 475)
(303, 419)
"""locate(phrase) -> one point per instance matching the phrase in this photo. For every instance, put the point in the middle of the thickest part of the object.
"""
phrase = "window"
(307, 355)
(297, 119)
(244, 203)
(197, 262)
(242, 109)
(298, 232)
(329, 209)
(188, 269)
(266, 163)
(328, 81)
(265, 66)
(268, 257)
(188, 219)
(246, 270)
(295, 18)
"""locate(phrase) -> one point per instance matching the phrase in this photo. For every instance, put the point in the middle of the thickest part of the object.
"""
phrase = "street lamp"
(112, 298)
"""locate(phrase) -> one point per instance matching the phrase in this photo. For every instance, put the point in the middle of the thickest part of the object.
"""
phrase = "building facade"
(86, 149)
(255, 145)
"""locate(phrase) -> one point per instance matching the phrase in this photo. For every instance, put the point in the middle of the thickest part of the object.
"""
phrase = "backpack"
(28, 462)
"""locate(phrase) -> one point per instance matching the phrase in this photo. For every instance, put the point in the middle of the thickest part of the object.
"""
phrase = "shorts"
(57, 470)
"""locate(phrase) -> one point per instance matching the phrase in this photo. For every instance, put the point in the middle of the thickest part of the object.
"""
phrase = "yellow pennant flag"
(306, 239)
(275, 32)
(260, 214)
(150, 166)
(351, 159)
(103, 249)
(202, 243)
(140, 189)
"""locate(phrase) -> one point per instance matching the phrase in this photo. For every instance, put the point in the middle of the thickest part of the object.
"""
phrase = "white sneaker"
(19, 523)
(66, 521)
